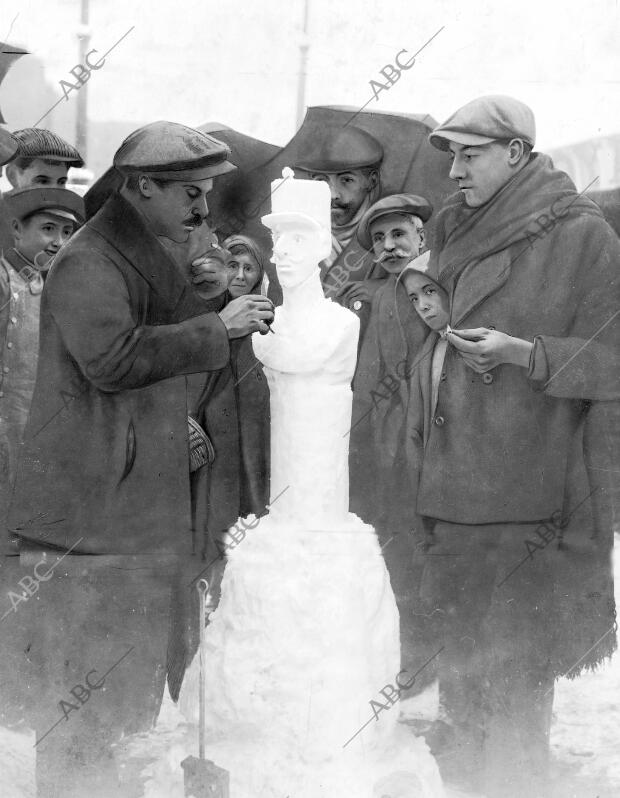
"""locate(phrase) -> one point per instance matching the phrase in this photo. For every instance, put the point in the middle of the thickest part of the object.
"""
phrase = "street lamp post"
(81, 122)
(304, 46)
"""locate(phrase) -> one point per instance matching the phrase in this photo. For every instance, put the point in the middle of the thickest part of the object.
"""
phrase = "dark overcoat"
(105, 461)
(517, 445)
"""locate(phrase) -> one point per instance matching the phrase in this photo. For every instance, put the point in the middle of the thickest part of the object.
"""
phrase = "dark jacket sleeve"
(585, 364)
(91, 305)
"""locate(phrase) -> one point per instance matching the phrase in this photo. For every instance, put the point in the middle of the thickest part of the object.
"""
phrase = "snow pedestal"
(306, 634)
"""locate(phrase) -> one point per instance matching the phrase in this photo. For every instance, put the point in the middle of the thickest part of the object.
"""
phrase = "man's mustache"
(396, 253)
(195, 220)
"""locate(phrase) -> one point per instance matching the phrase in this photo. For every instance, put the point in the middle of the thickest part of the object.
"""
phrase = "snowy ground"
(585, 741)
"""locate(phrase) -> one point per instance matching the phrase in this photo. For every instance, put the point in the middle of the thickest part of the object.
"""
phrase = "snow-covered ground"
(585, 741)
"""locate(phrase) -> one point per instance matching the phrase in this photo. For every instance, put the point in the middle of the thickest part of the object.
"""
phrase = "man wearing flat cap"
(349, 160)
(392, 230)
(523, 430)
(42, 159)
(105, 471)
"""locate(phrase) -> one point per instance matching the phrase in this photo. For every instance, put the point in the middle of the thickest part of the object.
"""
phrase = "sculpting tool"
(201, 777)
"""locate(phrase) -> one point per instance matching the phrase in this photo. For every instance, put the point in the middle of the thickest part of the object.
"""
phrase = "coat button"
(439, 421)
(9, 345)
(443, 376)
(13, 319)
(487, 378)
(490, 326)
(5, 369)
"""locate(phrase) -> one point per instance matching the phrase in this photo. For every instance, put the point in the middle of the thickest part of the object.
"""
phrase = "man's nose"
(239, 275)
(200, 206)
(335, 191)
(457, 170)
(388, 243)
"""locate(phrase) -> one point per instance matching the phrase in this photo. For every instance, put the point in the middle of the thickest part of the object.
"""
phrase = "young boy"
(42, 219)
(431, 302)
(42, 159)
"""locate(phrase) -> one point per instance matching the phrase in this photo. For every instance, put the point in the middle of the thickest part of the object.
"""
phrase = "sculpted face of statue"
(298, 246)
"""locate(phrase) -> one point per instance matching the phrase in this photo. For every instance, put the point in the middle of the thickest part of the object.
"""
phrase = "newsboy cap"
(340, 149)
(174, 152)
(486, 119)
(409, 204)
(8, 146)
(24, 202)
(35, 142)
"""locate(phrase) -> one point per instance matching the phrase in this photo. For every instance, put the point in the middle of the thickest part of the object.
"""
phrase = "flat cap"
(486, 119)
(35, 142)
(173, 152)
(23, 202)
(8, 146)
(409, 204)
(340, 149)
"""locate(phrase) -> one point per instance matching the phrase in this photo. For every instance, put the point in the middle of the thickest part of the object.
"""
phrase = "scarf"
(342, 234)
(466, 235)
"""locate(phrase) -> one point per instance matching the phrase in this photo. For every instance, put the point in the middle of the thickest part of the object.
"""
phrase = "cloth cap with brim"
(36, 142)
(485, 119)
(171, 151)
(8, 146)
(24, 202)
(407, 204)
(340, 149)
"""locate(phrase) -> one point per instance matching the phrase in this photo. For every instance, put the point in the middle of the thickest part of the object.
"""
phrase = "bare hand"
(361, 291)
(208, 269)
(247, 314)
(483, 349)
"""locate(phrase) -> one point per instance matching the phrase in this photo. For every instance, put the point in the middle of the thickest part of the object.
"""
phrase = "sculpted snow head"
(300, 225)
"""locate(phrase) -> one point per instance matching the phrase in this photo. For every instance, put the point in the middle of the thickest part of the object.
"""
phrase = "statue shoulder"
(342, 316)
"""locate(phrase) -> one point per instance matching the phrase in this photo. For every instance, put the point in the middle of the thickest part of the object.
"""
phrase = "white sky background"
(236, 61)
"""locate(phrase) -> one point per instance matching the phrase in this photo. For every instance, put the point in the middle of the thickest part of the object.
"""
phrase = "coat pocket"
(130, 451)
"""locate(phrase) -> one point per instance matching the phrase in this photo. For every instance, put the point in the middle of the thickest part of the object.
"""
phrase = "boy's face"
(40, 236)
(429, 300)
(38, 173)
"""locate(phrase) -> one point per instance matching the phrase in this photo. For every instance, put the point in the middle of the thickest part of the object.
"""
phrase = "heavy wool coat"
(513, 445)
(387, 350)
(105, 458)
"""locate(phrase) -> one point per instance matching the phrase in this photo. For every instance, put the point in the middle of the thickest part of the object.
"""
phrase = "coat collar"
(124, 229)
(477, 282)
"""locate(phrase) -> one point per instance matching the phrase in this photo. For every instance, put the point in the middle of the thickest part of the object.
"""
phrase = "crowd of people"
(134, 427)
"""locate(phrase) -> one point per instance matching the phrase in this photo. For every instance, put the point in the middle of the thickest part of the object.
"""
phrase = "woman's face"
(245, 273)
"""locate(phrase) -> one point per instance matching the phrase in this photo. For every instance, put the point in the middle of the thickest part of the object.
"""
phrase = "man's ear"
(10, 171)
(515, 152)
(145, 186)
(373, 179)
(18, 230)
